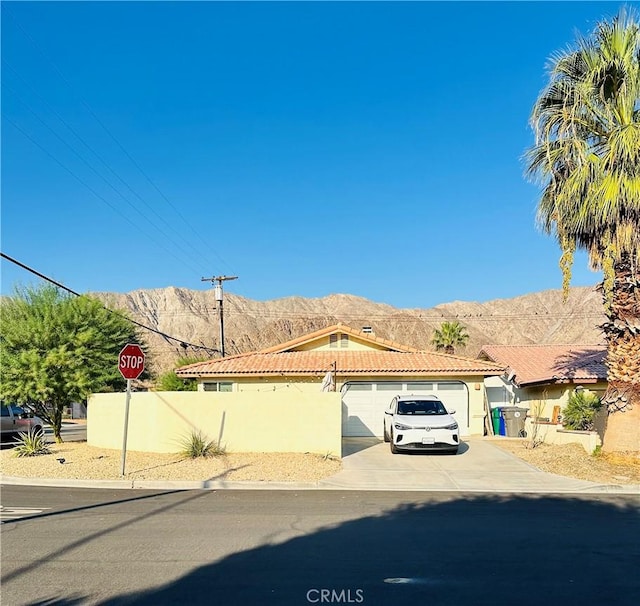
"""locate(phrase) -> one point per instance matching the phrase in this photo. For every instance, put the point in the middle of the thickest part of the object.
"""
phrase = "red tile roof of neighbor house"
(550, 363)
(318, 362)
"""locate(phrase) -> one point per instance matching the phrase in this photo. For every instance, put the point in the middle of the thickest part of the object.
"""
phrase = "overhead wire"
(93, 191)
(167, 337)
(135, 208)
(100, 159)
(293, 315)
(61, 75)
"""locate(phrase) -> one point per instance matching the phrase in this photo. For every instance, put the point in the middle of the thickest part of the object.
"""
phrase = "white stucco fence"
(551, 433)
(275, 422)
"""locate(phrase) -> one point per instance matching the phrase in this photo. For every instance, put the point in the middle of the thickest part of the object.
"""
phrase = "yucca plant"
(31, 444)
(196, 444)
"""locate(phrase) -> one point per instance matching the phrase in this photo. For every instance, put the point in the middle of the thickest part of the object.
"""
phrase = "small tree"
(170, 381)
(449, 336)
(581, 410)
(57, 349)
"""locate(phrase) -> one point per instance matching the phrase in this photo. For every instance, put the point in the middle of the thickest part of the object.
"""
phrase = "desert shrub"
(196, 444)
(31, 444)
(580, 411)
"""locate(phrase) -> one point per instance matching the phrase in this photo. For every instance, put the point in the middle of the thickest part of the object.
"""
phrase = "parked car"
(14, 419)
(420, 423)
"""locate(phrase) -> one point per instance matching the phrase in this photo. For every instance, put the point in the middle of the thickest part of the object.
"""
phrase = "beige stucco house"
(545, 375)
(365, 370)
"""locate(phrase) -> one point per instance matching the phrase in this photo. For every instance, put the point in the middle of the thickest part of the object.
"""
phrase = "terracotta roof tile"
(317, 362)
(550, 363)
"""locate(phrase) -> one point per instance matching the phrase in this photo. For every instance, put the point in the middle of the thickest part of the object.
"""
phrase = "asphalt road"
(71, 432)
(84, 546)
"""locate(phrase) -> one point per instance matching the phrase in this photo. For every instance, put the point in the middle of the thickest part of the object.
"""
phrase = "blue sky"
(309, 148)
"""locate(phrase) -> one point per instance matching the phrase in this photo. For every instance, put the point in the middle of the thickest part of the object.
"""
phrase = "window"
(333, 340)
(450, 387)
(498, 395)
(421, 407)
(360, 387)
(344, 340)
(218, 386)
(419, 386)
(5, 410)
(395, 387)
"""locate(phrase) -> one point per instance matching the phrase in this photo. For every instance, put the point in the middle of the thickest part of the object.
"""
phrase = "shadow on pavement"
(550, 550)
(353, 445)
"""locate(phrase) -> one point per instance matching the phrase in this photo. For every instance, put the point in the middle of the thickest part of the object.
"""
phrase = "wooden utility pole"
(218, 296)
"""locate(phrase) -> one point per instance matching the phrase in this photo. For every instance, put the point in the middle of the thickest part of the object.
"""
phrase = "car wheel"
(394, 449)
(38, 429)
(386, 436)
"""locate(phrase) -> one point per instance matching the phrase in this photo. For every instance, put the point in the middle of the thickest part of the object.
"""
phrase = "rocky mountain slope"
(249, 325)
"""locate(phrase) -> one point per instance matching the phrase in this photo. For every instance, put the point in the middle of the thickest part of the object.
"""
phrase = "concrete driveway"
(479, 466)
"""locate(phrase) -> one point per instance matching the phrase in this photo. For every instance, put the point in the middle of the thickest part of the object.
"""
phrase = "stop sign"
(131, 361)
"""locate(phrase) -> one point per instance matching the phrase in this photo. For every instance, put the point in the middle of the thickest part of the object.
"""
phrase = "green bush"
(196, 444)
(31, 444)
(580, 411)
(170, 381)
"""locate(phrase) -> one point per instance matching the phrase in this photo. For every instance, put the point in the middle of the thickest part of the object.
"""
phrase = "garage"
(364, 403)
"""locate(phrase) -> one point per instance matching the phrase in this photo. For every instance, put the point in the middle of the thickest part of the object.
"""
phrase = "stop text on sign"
(133, 362)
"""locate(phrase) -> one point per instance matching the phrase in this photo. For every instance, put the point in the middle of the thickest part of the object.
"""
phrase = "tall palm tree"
(449, 336)
(586, 158)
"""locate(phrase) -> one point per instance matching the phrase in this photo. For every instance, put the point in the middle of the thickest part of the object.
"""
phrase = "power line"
(85, 184)
(164, 335)
(61, 75)
(292, 315)
(102, 161)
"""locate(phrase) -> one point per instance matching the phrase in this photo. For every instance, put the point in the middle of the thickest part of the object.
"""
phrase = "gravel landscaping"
(573, 461)
(84, 462)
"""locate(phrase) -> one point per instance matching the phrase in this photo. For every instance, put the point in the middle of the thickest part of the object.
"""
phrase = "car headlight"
(452, 426)
(402, 427)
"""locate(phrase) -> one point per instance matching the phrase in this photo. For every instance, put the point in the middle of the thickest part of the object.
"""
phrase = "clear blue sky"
(309, 148)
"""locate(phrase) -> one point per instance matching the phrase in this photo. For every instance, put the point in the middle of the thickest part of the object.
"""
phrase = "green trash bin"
(495, 418)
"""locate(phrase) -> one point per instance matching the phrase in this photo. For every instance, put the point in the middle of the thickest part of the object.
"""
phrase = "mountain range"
(191, 317)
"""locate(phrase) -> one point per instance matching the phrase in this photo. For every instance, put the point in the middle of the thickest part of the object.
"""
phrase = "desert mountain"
(191, 316)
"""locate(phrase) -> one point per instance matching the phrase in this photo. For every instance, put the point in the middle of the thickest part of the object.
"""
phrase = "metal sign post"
(131, 366)
(126, 426)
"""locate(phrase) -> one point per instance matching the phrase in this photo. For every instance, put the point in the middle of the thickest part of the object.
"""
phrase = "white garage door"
(364, 403)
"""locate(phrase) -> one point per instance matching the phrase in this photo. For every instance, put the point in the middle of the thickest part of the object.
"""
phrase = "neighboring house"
(543, 376)
(367, 370)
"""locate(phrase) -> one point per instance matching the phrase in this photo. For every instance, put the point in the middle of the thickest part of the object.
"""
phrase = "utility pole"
(218, 295)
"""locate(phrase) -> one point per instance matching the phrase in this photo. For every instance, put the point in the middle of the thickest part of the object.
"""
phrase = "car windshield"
(421, 407)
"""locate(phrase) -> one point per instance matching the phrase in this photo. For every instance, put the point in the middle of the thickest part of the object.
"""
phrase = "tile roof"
(337, 328)
(318, 362)
(550, 363)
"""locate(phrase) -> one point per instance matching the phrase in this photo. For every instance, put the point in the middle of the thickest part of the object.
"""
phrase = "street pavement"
(67, 547)
(480, 466)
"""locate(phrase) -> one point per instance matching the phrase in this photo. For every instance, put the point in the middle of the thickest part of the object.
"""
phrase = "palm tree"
(449, 336)
(586, 158)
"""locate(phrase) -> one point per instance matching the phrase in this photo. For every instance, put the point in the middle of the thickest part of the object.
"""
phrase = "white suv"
(420, 423)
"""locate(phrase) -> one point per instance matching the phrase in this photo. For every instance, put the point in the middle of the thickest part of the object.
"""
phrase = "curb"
(610, 489)
(157, 484)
